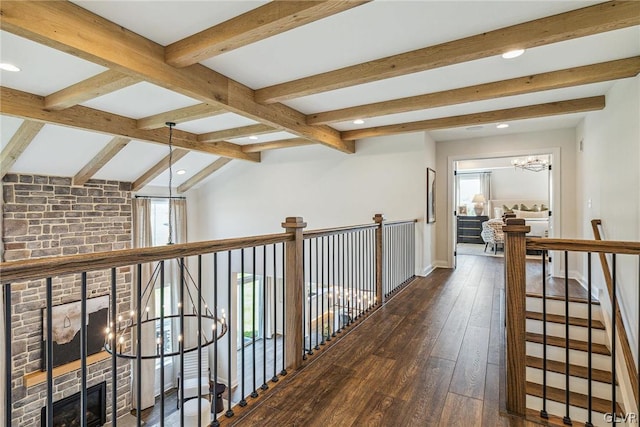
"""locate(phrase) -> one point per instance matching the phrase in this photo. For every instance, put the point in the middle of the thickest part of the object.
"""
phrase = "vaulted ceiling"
(99, 79)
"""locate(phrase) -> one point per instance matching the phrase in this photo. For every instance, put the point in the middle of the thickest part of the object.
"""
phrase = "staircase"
(578, 362)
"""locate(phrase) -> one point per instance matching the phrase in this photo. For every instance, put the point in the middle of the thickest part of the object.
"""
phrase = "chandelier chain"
(171, 125)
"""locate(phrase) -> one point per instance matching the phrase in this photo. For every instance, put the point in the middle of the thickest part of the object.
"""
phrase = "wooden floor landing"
(430, 357)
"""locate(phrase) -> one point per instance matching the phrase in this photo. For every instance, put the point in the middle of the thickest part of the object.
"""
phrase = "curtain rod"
(161, 197)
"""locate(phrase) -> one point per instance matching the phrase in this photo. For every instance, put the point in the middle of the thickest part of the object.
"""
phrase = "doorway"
(486, 188)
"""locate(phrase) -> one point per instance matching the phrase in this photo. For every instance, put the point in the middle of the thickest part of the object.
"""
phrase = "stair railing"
(621, 331)
(516, 247)
(349, 269)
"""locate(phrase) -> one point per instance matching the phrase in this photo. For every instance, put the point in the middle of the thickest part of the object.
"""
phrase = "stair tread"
(561, 298)
(574, 370)
(575, 399)
(573, 344)
(554, 420)
(557, 318)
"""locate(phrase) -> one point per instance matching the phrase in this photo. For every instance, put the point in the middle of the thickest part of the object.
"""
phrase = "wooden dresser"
(469, 228)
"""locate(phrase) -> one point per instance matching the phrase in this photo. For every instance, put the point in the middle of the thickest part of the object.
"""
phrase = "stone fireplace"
(67, 412)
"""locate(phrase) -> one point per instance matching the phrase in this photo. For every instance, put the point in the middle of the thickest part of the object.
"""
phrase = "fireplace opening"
(66, 412)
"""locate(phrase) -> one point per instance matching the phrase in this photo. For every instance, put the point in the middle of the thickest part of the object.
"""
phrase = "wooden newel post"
(379, 219)
(515, 251)
(294, 284)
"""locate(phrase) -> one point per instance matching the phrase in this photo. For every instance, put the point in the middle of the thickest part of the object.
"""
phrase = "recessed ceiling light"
(474, 127)
(8, 67)
(358, 122)
(513, 53)
(181, 172)
(253, 137)
(502, 126)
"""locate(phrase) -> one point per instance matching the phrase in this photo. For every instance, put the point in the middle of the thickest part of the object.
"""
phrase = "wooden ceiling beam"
(265, 21)
(528, 112)
(204, 173)
(102, 158)
(158, 168)
(274, 145)
(583, 22)
(28, 106)
(17, 144)
(68, 27)
(93, 87)
(222, 135)
(181, 115)
(576, 76)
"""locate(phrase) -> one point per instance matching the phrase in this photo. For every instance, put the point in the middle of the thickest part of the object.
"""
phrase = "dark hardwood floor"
(430, 357)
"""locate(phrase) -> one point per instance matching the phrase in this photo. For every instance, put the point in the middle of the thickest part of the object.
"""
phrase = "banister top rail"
(604, 246)
(33, 269)
(337, 230)
(406, 221)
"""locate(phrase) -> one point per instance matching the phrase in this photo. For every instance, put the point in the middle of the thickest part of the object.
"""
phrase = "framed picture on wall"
(431, 196)
(66, 330)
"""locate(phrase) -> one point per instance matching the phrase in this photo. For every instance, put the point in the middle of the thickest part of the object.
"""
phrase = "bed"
(535, 214)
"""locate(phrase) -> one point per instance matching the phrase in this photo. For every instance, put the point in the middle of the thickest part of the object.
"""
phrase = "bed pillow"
(530, 214)
(507, 209)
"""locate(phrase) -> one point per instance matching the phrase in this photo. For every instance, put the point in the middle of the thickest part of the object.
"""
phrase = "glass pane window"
(252, 309)
(469, 184)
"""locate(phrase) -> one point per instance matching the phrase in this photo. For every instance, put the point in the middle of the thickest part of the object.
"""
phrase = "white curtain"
(485, 186)
(142, 237)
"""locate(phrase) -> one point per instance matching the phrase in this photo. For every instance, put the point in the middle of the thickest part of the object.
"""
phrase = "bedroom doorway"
(484, 189)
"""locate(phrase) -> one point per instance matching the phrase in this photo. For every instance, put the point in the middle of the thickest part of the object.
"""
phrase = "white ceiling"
(371, 31)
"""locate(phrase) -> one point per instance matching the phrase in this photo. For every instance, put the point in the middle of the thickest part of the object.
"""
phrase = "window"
(160, 237)
(253, 303)
(469, 184)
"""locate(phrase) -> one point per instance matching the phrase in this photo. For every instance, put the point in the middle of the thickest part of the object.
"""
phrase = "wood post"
(379, 219)
(294, 284)
(515, 251)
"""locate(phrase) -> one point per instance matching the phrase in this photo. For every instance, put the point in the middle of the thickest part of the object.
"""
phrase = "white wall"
(609, 188)
(561, 141)
(512, 183)
(326, 187)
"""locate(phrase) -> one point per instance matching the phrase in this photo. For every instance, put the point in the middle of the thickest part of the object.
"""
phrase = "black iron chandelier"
(206, 327)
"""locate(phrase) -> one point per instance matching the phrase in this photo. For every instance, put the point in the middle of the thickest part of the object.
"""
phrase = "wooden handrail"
(400, 222)
(337, 230)
(33, 269)
(622, 333)
(574, 245)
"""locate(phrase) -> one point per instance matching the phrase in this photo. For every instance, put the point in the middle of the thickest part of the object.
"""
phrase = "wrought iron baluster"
(114, 361)
(264, 318)
(180, 342)
(567, 393)
(543, 413)
(243, 401)
(161, 343)
(275, 314)
(614, 308)
(284, 314)
(215, 422)
(49, 350)
(229, 412)
(254, 393)
(589, 342)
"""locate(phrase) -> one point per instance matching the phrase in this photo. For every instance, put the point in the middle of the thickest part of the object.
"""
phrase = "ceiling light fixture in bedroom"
(531, 163)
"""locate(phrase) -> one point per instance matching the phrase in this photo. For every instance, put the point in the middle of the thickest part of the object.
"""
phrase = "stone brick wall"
(46, 216)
